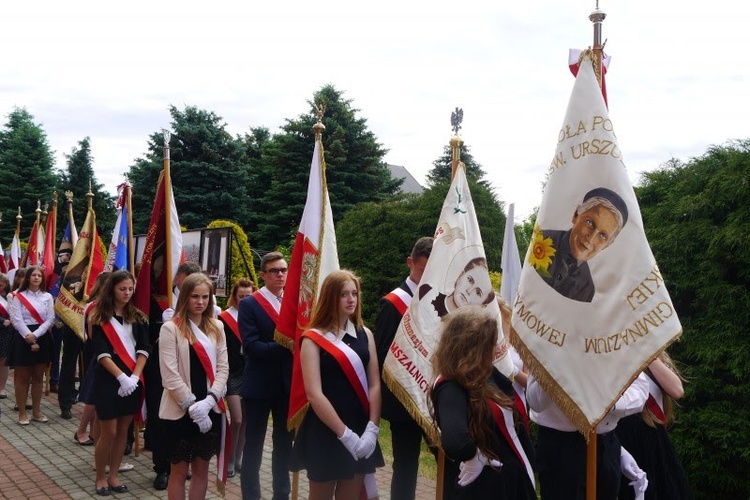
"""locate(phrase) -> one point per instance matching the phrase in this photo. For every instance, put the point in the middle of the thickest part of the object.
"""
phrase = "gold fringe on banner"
(427, 425)
(283, 340)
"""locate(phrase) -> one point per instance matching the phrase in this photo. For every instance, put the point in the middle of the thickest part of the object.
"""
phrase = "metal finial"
(167, 136)
(69, 196)
(457, 117)
(319, 127)
(45, 210)
(19, 216)
(38, 206)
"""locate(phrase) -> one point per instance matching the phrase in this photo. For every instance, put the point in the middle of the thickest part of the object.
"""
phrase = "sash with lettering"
(400, 300)
(121, 338)
(32, 310)
(267, 306)
(504, 420)
(231, 321)
(351, 365)
(208, 362)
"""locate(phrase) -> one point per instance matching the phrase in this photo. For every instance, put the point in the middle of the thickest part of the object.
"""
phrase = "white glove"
(167, 314)
(629, 468)
(204, 423)
(366, 444)
(350, 441)
(127, 386)
(471, 469)
(135, 379)
(200, 409)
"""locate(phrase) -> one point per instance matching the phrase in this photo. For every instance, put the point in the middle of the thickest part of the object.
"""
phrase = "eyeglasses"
(276, 271)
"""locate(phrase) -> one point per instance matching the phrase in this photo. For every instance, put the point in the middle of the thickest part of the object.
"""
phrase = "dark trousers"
(256, 416)
(406, 437)
(561, 463)
(72, 347)
(154, 434)
(57, 339)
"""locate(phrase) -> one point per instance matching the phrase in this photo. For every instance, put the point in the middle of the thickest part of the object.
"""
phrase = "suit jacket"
(268, 365)
(386, 325)
(174, 361)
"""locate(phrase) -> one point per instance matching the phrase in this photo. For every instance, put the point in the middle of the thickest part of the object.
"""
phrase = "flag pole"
(18, 223)
(129, 207)
(596, 17)
(167, 218)
(54, 222)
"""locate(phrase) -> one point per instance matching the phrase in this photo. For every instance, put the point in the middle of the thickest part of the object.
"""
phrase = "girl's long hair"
(105, 302)
(668, 403)
(464, 354)
(326, 315)
(207, 324)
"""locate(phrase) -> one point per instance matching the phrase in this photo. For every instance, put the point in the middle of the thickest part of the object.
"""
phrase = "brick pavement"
(42, 461)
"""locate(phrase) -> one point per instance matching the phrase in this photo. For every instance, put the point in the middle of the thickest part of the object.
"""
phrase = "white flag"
(511, 261)
(592, 308)
(456, 275)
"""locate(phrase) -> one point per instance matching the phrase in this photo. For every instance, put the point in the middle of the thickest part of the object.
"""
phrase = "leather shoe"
(118, 489)
(103, 491)
(160, 483)
(66, 414)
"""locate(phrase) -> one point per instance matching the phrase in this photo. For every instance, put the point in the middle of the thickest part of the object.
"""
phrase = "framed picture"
(191, 244)
(215, 257)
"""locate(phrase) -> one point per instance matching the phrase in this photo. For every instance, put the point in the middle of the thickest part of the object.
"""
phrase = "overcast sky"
(678, 81)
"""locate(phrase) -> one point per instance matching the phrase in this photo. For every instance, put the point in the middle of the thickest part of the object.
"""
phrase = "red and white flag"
(14, 258)
(574, 58)
(592, 309)
(48, 251)
(156, 265)
(313, 258)
(35, 246)
(3, 264)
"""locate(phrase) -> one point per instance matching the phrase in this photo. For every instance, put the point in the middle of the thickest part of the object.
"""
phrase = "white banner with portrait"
(592, 308)
(456, 275)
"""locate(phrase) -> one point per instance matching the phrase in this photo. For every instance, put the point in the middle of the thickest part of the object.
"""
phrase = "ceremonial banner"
(592, 308)
(3, 264)
(118, 253)
(64, 254)
(511, 261)
(15, 257)
(154, 269)
(456, 275)
(313, 258)
(574, 57)
(32, 257)
(48, 254)
(77, 281)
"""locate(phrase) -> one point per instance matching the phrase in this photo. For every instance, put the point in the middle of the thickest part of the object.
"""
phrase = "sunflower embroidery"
(542, 251)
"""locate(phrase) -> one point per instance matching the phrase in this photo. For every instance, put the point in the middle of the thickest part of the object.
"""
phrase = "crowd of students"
(192, 366)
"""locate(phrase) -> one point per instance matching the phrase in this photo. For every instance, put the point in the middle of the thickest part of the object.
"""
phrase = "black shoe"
(128, 449)
(119, 489)
(160, 483)
(66, 414)
(103, 491)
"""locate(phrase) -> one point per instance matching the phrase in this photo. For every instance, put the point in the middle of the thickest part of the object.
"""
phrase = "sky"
(677, 83)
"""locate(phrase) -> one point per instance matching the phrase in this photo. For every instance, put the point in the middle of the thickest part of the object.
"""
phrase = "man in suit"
(406, 434)
(266, 381)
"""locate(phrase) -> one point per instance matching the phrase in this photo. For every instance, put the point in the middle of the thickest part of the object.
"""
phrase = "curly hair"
(464, 354)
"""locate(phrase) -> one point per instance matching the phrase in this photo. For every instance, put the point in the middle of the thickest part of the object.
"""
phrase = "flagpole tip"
(320, 110)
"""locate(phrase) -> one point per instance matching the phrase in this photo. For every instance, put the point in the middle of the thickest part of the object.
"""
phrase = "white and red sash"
(231, 320)
(400, 300)
(504, 420)
(655, 401)
(267, 306)
(4, 314)
(350, 364)
(32, 310)
(122, 341)
(206, 352)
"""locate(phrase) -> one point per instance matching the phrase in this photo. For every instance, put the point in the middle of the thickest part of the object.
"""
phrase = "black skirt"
(20, 353)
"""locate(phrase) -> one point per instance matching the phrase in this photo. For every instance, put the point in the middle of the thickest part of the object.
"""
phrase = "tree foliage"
(77, 177)
(355, 170)
(209, 171)
(697, 219)
(26, 172)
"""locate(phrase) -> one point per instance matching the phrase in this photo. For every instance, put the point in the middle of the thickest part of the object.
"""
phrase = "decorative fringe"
(427, 425)
(293, 423)
(558, 395)
(283, 340)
